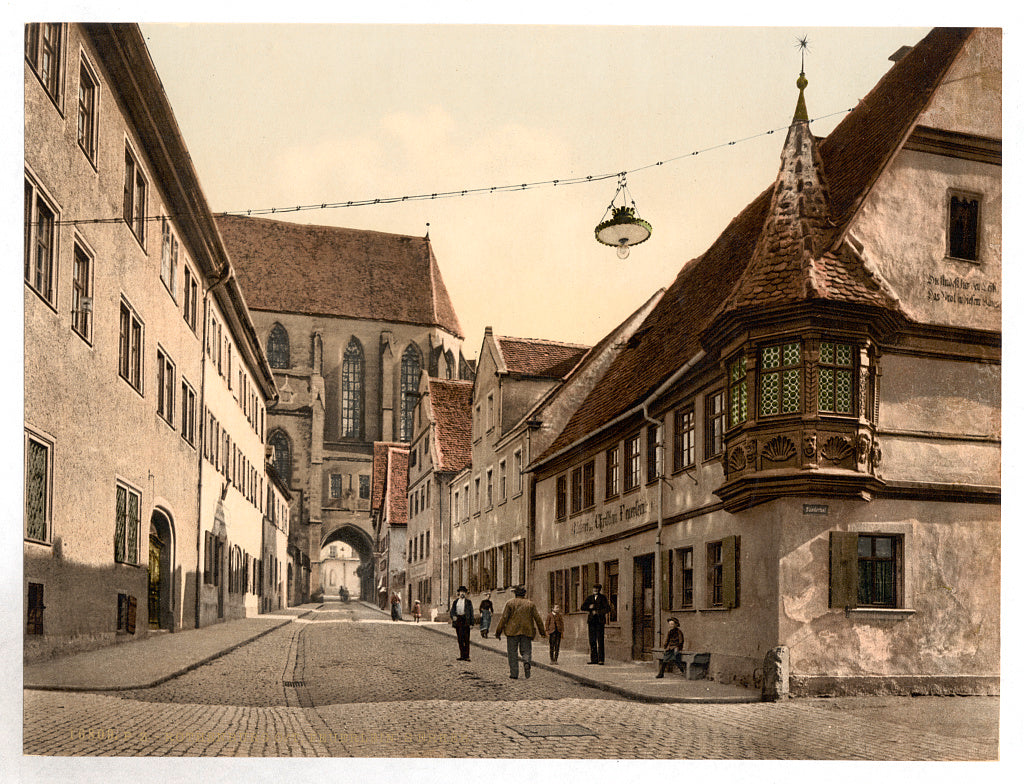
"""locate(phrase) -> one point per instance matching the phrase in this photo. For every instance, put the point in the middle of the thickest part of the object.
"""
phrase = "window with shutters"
(680, 579)
(865, 570)
(38, 489)
(126, 525)
(127, 608)
(723, 573)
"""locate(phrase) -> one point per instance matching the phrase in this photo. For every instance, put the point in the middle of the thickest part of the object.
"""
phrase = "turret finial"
(801, 83)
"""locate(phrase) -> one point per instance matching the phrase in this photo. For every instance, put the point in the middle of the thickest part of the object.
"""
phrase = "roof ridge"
(546, 341)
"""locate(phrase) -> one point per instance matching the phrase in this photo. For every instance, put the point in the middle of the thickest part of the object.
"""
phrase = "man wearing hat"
(518, 620)
(597, 607)
(461, 614)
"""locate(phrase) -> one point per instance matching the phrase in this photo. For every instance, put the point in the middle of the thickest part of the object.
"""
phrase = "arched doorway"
(362, 546)
(161, 571)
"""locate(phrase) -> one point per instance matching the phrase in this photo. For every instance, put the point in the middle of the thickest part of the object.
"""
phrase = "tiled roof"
(380, 468)
(539, 358)
(851, 160)
(326, 270)
(451, 403)
(398, 485)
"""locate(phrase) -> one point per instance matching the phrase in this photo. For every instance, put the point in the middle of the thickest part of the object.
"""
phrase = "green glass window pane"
(132, 547)
(35, 491)
(791, 354)
(828, 352)
(119, 524)
(826, 389)
(790, 391)
(844, 355)
(770, 357)
(738, 369)
(770, 394)
(844, 392)
(738, 404)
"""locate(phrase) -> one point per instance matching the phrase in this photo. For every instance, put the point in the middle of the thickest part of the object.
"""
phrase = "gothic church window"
(352, 390)
(282, 455)
(409, 383)
(278, 348)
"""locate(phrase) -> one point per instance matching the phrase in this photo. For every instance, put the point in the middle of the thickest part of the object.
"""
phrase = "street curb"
(602, 686)
(177, 673)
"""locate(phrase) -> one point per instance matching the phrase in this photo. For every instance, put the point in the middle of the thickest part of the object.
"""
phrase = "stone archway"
(361, 543)
(161, 571)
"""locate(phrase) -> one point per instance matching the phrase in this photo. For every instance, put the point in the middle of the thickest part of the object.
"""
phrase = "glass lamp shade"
(623, 230)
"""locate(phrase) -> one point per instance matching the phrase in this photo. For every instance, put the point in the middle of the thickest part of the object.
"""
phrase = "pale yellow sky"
(286, 115)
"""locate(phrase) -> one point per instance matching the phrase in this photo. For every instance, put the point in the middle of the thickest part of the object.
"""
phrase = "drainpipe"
(202, 432)
(660, 458)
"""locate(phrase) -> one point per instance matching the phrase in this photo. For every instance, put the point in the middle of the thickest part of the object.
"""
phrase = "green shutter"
(666, 579)
(729, 569)
(842, 569)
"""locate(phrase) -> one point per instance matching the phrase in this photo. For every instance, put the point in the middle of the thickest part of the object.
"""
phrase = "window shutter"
(666, 579)
(842, 569)
(729, 568)
(132, 605)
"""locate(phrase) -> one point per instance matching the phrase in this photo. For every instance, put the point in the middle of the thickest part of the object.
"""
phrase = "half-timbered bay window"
(780, 379)
(835, 378)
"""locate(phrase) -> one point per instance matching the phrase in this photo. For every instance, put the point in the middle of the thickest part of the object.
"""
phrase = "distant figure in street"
(396, 607)
(518, 620)
(673, 649)
(486, 608)
(416, 610)
(462, 618)
(554, 625)
(596, 607)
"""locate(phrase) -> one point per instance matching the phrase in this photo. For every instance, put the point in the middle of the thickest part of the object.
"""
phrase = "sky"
(285, 115)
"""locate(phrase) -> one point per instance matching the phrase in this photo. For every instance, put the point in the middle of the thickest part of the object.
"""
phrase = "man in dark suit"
(461, 614)
(597, 607)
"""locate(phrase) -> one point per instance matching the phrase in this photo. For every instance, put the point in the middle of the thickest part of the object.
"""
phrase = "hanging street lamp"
(624, 229)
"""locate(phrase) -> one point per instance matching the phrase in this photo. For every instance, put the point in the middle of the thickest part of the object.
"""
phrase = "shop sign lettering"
(599, 521)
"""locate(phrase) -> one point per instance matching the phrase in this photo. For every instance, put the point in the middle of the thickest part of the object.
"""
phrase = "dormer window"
(963, 226)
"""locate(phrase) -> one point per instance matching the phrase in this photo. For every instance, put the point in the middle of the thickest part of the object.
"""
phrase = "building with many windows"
(138, 442)
(390, 520)
(799, 457)
(349, 319)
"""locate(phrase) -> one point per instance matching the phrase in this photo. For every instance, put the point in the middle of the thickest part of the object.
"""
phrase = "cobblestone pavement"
(330, 687)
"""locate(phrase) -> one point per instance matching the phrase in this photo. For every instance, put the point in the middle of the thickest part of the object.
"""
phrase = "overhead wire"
(453, 193)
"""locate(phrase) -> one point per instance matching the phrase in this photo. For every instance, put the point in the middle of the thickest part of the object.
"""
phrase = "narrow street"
(346, 681)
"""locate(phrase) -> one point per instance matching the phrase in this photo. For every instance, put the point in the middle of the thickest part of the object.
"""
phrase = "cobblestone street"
(328, 686)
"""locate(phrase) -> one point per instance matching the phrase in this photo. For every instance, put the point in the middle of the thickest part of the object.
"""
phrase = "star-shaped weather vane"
(803, 45)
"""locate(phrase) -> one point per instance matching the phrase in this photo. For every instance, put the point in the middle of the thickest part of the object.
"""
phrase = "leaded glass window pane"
(826, 389)
(780, 379)
(738, 392)
(410, 382)
(835, 378)
(352, 390)
(770, 394)
(790, 391)
(37, 478)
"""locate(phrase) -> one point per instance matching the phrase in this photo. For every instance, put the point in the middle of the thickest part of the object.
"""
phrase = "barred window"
(835, 378)
(38, 462)
(126, 526)
(780, 379)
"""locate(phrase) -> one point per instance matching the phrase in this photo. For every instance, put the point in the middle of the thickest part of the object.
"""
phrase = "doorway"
(643, 607)
(156, 548)
(159, 588)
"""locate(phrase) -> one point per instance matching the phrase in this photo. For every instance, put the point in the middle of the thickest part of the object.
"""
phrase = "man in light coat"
(518, 621)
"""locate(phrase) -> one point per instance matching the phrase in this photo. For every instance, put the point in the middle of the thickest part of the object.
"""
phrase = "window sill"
(887, 613)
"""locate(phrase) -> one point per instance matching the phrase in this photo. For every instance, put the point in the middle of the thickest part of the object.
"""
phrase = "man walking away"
(596, 607)
(462, 618)
(518, 620)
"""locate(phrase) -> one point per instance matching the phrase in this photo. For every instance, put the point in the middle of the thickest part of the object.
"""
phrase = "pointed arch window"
(282, 455)
(408, 388)
(279, 348)
(352, 368)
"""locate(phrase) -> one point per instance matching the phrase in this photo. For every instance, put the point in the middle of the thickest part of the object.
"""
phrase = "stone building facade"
(124, 274)
(349, 319)
(800, 456)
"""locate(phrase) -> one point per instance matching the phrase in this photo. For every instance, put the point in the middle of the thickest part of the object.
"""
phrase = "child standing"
(554, 625)
(673, 649)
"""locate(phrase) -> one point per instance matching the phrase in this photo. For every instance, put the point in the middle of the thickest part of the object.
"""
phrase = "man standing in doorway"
(462, 618)
(518, 620)
(596, 607)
